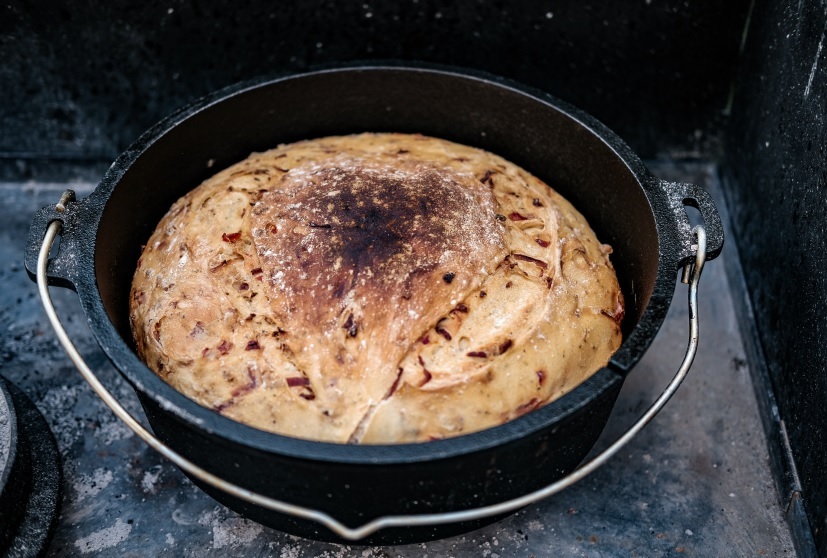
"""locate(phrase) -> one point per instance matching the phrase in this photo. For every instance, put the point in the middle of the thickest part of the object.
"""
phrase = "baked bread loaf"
(376, 288)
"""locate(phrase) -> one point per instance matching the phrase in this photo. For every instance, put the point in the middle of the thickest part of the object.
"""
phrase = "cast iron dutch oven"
(642, 217)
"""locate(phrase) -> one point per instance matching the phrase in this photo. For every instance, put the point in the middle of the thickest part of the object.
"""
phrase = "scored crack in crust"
(376, 288)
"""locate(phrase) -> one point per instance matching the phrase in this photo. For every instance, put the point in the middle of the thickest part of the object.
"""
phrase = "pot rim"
(193, 414)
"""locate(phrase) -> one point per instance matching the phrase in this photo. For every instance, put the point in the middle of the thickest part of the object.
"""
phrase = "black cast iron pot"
(642, 217)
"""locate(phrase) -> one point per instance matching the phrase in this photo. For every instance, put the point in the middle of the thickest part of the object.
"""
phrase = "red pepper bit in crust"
(395, 384)
(616, 317)
(526, 407)
(198, 329)
(541, 242)
(231, 237)
(514, 216)
(247, 388)
(427, 379)
(503, 347)
(304, 383)
(224, 406)
(219, 266)
(541, 377)
(252, 345)
(443, 332)
(525, 258)
(224, 347)
(425, 372)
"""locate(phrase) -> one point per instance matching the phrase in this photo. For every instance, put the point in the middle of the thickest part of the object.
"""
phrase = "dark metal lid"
(30, 476)
(8, 432)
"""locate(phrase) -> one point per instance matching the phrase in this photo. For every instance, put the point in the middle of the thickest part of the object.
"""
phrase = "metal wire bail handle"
(692, 275)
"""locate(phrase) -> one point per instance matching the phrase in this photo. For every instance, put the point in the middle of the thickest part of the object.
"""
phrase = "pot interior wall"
(532, 133)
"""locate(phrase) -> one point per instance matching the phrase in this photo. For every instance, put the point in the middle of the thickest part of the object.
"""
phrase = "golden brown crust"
(376, 288)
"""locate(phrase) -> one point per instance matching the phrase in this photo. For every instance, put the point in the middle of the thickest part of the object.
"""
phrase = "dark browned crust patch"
(351, 234)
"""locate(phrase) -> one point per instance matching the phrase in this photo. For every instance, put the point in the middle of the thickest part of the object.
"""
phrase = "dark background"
(81, 80)
(775, 173)
(740, 83)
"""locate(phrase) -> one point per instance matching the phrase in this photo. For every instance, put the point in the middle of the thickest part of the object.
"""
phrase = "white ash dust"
(229, 531)
(507, 541)
(535, 525)
(150, 478)
(348, 552)
(112, 432)
(486, 550)
(104, 538)
(235, 532)
(58, 406)
(170, 540)
(295, 551)
(286, 550)
(90, 485)
(340, 552)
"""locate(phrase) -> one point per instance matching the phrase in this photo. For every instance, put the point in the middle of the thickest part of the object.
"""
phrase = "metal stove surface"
(696, 482)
